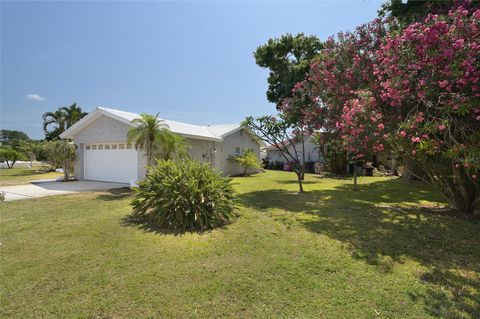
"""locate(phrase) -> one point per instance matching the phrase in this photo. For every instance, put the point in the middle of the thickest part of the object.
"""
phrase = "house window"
(94, 147)
(100, 146)
(114, 146)
(121, 146)
(107, 146)
(88, 147)
(129, 146)
(237, 151)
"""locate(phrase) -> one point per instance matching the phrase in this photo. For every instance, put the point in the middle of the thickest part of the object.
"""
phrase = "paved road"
(49, 188)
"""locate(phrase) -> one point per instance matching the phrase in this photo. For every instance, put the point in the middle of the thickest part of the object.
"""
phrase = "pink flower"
(443, 84)
(381, 126)
(403, 133)
(441, 127)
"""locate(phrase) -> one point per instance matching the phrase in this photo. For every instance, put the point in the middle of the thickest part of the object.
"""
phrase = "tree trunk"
(66, 172)
(355, 187)
(303, 156)
(300, 185)
(456, 184)
(412, 170)
(10, 165)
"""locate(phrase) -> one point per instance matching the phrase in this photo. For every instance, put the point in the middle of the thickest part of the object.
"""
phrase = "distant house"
(312, 153)
(104, 154)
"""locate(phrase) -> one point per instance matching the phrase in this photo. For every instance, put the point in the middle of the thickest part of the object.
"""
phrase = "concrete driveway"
(49, 188)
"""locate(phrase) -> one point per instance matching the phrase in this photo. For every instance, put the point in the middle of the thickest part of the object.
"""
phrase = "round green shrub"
(184, 196)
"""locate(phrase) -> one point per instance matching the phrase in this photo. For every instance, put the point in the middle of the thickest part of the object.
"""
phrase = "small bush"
(184, 196)
(248, 161)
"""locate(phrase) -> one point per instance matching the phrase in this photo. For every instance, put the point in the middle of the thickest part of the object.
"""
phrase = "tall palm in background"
(60, 120)
(72, 114)
(55, 119)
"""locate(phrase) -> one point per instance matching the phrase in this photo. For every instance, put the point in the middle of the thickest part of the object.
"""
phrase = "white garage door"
(113, 162)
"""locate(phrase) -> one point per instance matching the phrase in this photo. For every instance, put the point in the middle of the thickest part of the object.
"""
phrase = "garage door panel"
(112, 165)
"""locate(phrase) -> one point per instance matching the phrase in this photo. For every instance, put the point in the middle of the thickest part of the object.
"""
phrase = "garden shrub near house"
(60, 154)
(185, 196)
(248, 161)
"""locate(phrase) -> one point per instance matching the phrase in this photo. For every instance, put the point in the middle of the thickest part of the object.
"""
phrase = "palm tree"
(173, 146)
(62, 119)
(148, 134)
(56, 118)
(72, 114)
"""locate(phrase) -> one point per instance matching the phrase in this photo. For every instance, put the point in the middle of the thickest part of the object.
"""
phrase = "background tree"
(288, 58)
(61, 153)
(55, 119)
(339, 75)
(55, 123)
(407, 12)
(72, 114)
(148, 135)
(278, 133)
(10, 156)
(9, 137)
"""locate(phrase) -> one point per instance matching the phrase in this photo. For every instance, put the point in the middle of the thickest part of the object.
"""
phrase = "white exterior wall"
(108, 130)
(311, 152)
(242, 140)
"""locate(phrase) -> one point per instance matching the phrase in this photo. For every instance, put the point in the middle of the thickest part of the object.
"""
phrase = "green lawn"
(15, 176)
(331, 253)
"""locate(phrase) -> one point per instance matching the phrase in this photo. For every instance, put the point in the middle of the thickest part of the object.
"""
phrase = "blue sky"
(190, 61)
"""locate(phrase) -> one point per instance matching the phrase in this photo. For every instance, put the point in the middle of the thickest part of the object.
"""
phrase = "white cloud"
(35, 97)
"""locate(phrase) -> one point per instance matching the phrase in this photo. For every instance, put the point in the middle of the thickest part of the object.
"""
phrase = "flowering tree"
(338, 94)
(415, 90)
(429, 76)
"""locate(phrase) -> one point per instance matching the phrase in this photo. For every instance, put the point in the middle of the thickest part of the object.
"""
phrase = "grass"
(330, 253)
(23, 175)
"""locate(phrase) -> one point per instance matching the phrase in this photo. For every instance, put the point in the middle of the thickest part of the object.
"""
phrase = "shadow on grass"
(382, 235)
(116, 194)
(295, 182)
(148, 225)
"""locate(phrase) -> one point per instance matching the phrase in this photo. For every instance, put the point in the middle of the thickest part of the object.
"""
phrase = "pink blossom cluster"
(419, 87)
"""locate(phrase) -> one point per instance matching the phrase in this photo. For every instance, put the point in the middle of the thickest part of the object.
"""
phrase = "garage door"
(113, 162)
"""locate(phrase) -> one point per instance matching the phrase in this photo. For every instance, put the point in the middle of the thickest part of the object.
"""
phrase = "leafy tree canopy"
(7, 137)
(10, 156)
(55, 123)
(288, 59)
(410, 11)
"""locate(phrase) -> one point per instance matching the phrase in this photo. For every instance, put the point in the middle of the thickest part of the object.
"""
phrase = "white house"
(103, 153)
(312, 153)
